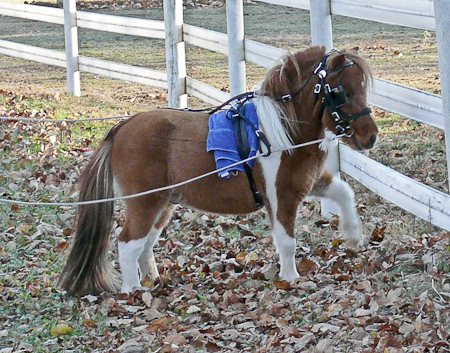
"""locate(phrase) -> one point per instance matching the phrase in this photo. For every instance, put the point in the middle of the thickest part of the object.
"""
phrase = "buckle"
(285, 98)
(340, 129)
(317, 88)
(262, 138)
(336, 116)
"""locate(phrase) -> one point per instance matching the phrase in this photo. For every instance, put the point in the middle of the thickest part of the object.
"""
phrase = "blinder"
(335, 98)
(337, 95)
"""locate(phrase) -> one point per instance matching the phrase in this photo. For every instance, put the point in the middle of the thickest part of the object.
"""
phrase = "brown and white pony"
(306, 93)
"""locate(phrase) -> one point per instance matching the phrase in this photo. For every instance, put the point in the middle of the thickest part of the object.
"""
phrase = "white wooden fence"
(421, 200)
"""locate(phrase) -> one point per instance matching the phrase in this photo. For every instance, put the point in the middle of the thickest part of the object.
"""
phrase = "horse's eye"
(348, 95)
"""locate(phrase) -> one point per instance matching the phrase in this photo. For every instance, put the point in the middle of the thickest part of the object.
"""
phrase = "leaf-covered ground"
(219, 290)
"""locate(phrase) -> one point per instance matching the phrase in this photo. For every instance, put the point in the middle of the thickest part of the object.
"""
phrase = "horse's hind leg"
(340, 192)
(141, 214)
(147, 262)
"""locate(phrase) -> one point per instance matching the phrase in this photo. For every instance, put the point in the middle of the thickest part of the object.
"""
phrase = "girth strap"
(243, 145)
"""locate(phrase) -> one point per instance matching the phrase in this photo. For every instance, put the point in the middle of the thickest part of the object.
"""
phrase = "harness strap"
(243, 146)
(243, 97)
(353, 117)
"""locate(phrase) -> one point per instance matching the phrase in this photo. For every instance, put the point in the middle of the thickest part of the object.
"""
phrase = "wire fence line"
(324, 145)
(46, 120)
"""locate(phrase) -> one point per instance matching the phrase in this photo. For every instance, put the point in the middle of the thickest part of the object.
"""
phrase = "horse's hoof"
(290, 277)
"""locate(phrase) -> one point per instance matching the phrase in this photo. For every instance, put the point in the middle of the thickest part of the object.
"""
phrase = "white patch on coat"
(116, 188)
(129, 253)
(284, 243)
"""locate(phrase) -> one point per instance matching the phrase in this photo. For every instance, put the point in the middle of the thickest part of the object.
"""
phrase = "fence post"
(441, 16)
(175, 53)
(321, 28)
(71, 43)
(236, 51)
(322, 34)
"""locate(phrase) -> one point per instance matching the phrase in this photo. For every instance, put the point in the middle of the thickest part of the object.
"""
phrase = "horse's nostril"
(373, 139)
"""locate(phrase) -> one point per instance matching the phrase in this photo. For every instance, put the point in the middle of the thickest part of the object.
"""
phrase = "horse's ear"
(336, 61)
(355, 49)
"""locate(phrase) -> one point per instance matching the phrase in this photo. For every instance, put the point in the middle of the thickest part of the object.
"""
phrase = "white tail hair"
(270, 116)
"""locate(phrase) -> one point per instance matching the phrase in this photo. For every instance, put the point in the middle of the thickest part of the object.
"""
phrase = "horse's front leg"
(285, 243)
(282, 208)
(341, 193)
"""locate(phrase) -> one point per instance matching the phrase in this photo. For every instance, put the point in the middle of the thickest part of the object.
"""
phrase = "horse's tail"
(87, 269)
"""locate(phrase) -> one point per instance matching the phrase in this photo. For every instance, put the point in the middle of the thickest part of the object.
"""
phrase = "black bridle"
(333, 98)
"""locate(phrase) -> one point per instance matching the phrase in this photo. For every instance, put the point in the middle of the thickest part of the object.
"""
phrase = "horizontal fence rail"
(121, 24)
(412, 103)
(417, 198)
(206, 39)
(262, 54)
(419, 105)
(416, 14)
(29, 52)
(299, 4)
(123, 72)
(205, 92)
(32, 12)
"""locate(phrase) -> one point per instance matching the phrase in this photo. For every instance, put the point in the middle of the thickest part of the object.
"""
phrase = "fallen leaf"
(240, 258)
(62, 246)
(265, 319)
(378, 234)
(60, 329)
(363, 312)
(282, 285)
(306, 266)
(15, 208)
(175, 339)
(395, 153)
(193, 309)
(291, 331)
(147, 298)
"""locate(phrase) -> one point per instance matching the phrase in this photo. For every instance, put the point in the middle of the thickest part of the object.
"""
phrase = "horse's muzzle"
(363, 143)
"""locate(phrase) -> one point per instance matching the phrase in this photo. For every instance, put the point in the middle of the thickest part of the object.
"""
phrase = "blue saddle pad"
(222, 140)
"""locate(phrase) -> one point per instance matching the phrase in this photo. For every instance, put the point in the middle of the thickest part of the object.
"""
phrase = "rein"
(326, 141)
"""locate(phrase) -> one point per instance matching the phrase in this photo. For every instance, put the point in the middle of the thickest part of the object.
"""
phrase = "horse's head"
(335, 90)
(344, 79)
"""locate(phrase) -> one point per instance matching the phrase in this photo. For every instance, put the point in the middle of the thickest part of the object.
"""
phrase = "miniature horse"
(306, 93)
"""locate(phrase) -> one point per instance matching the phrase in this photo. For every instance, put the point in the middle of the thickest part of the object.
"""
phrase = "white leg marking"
(284, 244)
(129, 253)
(147, 262)
(341, 193)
